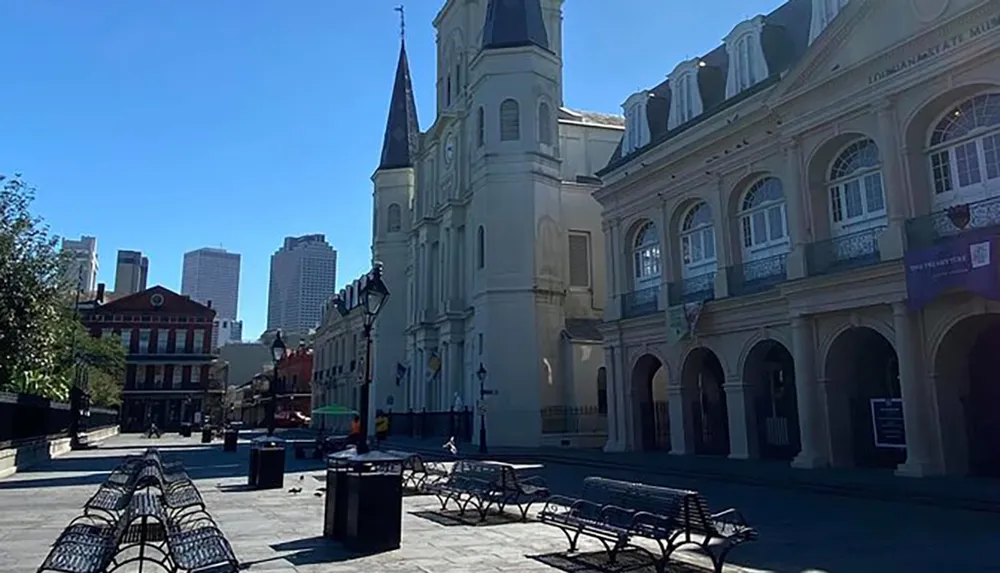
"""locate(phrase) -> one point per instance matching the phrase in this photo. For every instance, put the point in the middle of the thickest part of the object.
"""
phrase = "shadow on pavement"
(308, 551)
(451, 518)
(628, 561)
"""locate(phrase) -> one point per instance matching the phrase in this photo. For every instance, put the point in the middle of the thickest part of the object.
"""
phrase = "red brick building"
(295, 376)
(168, 338)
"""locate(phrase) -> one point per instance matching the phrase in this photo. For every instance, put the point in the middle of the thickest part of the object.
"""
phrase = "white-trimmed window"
(698, 241)
(544, 123)
(196, 374)
(823, 13)
(180, 341)
(747, 64)
(636, 123)
(646, 256)
(857, 198)
(395, 218)
(685, 96)
(965, 152)
(763, 220)
(510, 120)
(176, 379)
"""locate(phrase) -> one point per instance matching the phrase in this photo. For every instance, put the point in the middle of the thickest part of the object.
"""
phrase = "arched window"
(763, 220)
(965, 152)
(857, 201)
(480, 247)
(395, 218)
(544, 124)
(480, 127)
(698, 241)
(646, 256)
(510, 120)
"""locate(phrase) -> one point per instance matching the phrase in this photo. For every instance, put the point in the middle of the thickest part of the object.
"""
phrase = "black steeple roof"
(401, 130)
(514, 23)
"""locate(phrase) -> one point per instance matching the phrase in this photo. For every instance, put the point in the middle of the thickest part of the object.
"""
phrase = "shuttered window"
(579, 260)
(510, 121)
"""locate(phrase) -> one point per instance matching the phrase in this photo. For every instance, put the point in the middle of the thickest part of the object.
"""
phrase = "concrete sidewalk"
(950, 492)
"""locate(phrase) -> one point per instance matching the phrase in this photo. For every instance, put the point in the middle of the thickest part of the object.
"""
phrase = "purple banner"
(967, 261)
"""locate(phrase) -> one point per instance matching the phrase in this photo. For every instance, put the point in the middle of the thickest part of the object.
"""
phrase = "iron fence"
(752, 277)
(424, 424)
(928, 230)
(692, 289)
(26, 417)
(844, 253)
(574, 420)
(641, 302)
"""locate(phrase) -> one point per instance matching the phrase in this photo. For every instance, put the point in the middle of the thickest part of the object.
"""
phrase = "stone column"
(814, 452)
(613, 254)
(666, 255)
(923, 454)
(743, 442)
(616, 438)
(891, 243)
(723, 238)
(679, 400)
(797, 213)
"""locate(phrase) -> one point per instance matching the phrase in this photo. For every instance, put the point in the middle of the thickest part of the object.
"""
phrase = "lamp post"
(372, 299)
(483, 393)
(277, 354)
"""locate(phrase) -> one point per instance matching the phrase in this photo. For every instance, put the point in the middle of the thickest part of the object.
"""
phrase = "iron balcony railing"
(752, 277)
(844, 253)
(693, 289)
(928, 230)
(641, 302)
(574, 420)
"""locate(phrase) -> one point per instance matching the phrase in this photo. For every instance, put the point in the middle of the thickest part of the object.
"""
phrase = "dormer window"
(823, 12)
(636, 122)
(747, 64)
(685, 96)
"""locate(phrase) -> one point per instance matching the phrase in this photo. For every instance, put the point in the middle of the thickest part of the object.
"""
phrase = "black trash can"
(335, 511)
(229, 438)
(185, 429)
(374, 502)
(270, 462)
(254, 465)
(206, 435)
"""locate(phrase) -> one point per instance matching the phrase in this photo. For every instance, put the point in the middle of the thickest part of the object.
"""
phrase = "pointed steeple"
(514, 23)
(399, 148)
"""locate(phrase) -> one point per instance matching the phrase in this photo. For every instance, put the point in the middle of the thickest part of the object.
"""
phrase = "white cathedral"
(485, 223)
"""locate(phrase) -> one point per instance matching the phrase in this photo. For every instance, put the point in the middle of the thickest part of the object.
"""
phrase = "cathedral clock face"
(449, 149)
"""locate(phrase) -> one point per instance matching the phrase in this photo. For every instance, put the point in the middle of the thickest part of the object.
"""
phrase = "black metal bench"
(418, 472)
(483, 485)
(615, 512)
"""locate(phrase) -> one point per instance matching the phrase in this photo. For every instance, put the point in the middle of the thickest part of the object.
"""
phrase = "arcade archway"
(862, 373)
(966, 366)
(704, 377)
(649, 386)
(770, 371)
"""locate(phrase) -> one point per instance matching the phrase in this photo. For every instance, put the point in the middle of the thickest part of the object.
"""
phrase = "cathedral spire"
(399, 147)
(514, 23)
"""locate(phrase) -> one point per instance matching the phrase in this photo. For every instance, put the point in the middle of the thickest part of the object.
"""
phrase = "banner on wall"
(683, 319)
(967, 261)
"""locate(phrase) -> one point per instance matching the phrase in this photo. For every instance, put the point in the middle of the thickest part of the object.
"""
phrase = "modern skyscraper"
(84, 265)
(303, 277)
(130, 273)
(213, 275)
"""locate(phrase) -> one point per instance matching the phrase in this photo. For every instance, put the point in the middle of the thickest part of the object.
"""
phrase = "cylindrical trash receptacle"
(335, 511)
(206, 435)
(254, 466)
(271, 463)
(374, 502)
(229, 438)
(185, 429)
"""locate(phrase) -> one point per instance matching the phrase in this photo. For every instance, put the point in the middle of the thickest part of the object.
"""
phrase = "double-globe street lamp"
(483, 393)
(372, 299)
(277, 354)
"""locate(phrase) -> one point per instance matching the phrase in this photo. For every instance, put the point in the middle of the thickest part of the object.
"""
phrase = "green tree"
(31, 288)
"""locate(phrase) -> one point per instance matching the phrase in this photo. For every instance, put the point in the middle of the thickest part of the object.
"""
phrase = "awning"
(333, 410)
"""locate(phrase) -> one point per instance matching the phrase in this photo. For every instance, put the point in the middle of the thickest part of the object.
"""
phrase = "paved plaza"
(280, 532)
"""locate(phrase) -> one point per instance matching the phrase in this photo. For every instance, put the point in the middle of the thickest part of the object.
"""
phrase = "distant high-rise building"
(213, 275)
(83, 266)
(130, 272)
(303, 277)
(226, 331)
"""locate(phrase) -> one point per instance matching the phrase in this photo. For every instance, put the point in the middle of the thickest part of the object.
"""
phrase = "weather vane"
(402, 20)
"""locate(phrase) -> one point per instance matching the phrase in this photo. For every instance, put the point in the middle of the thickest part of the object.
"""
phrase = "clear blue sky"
(169, 125)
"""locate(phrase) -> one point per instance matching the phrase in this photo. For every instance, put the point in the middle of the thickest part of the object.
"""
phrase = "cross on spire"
(402, 20)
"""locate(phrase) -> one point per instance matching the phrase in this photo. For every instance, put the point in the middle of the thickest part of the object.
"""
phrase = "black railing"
(845, 253)
(26, 417)
(641, 302)
(574, 420)
(693, 289)
(928, 230)
(423, 424)
(757, 276)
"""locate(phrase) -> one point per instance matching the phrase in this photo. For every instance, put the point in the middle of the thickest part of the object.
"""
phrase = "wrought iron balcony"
(693, 289)
(641, 302)
(839, 254)
(928, 230)
(757, 276)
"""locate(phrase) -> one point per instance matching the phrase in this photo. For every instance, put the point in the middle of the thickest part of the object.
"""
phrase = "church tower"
(394, 182)
(519, 247)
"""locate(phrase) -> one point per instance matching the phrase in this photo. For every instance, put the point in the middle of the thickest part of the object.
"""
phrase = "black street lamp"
(483, 393)
(372, 297)
(277, 354)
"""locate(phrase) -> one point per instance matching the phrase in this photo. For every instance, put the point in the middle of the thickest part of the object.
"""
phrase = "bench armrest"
(556, 501)
(646, 520)
(731, 523)
(536, 481)
(617, 514)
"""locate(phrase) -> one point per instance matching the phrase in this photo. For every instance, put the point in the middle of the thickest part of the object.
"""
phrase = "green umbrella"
(332, 410)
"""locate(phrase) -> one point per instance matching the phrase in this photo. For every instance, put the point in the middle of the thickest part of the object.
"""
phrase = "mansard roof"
(402, 130)
(784, 39)
(514, 23)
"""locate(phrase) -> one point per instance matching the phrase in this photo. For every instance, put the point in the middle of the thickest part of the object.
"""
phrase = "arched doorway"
(770, 371)
(862, 367)
(649, 384)
(704, 376)
(966, 365)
